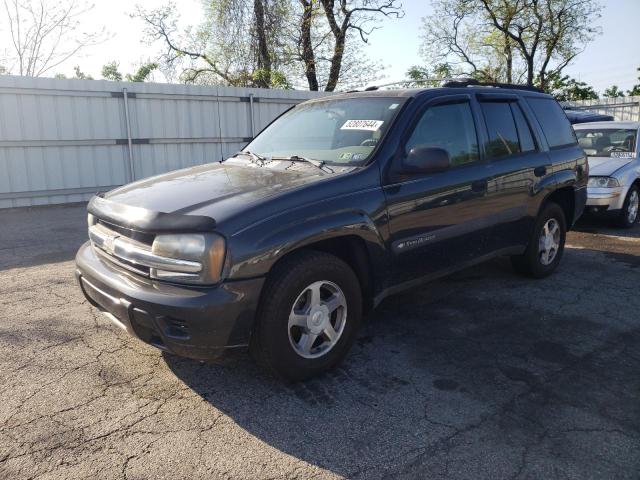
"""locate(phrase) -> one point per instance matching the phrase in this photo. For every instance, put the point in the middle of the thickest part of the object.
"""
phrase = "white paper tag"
(623, 155)
(369, 125)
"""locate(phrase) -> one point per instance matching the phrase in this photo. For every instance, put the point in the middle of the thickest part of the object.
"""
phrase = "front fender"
(254, 251)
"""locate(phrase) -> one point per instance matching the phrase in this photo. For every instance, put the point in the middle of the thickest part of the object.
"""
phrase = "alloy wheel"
(549, 242)
(317, 319)
(632, 209)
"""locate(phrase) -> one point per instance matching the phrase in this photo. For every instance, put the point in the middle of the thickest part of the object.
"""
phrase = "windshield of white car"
(337, 132)
(608, 142)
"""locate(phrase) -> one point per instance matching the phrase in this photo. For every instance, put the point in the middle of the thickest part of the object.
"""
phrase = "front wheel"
(309, 315)
(629, 213)
(546, 244)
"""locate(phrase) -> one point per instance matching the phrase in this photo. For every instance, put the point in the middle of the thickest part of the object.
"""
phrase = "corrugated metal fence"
(63, 140)
(622, 108)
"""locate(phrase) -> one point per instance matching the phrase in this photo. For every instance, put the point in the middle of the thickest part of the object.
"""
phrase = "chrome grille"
(135, 255)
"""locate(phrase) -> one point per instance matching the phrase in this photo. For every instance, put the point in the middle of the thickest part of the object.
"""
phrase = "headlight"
(206, 249)
(91, 220)
(603, 182)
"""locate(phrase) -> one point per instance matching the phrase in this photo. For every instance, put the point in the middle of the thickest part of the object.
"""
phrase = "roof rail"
(470, 82)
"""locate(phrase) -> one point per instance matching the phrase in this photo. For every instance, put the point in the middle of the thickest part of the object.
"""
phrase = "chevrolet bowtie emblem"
(108, 244)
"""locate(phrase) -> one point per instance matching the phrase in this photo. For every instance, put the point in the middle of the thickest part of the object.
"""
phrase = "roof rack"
(470, 82)
(450, 83)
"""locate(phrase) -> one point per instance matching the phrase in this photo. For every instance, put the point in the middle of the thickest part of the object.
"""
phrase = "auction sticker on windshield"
(369, 125)
(623, 155)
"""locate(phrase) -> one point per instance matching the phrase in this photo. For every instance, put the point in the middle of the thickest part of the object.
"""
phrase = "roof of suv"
(415, 92)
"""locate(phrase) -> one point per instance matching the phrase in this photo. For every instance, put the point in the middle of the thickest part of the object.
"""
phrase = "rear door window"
(501, 127)
(553, 121)
(527, 143)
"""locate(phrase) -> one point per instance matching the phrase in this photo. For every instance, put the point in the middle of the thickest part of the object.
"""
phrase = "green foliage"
(110, 72)
(612, 92)
(507, 40)
(143, 72)
(636, 88)
(565, 88)
(423, 77)
(80, 75)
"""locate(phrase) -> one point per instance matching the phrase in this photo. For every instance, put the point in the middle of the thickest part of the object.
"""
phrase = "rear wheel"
(309, 314)
(546, 244)
(629, 213)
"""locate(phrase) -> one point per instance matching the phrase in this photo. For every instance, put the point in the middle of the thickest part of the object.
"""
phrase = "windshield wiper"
(296, 158)
(254, 157)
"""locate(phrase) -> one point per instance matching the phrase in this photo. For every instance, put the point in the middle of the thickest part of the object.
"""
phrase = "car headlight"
(91, 220)
(208, 250)
(603, 182)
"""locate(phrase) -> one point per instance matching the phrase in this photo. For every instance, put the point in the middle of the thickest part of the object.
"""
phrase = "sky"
(611, 59)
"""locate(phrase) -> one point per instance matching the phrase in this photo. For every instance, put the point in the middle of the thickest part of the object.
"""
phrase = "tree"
(238, 43)
(613, 92)
(44, 34)
(110, 71)
(80, 75)
(565, 88)
(143, 72)
(272, 43)
(635, 90)
(510, 40)
(328, 36)
(422, 77)
(459, 34)
(358, 16)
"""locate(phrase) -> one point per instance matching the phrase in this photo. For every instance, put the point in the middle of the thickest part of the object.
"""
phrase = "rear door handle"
(479, 186)
(540, 171)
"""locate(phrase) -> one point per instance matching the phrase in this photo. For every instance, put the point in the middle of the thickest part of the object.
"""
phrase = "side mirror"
(426, 159)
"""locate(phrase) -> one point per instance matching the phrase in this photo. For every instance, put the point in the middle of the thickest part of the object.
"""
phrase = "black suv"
(340, 202)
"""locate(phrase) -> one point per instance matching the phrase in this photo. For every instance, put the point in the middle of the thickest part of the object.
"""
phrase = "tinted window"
(527, 144)
(451, 127)
(503, 136)
(554, 123)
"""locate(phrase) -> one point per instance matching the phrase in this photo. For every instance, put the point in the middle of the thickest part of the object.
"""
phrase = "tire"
(629, 214)
(278, 342)
(537, 262)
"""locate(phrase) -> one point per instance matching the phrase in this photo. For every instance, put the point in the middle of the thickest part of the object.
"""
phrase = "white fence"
(63, 140)
(622, 108)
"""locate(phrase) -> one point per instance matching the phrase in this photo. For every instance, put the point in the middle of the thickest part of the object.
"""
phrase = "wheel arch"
(565, 197)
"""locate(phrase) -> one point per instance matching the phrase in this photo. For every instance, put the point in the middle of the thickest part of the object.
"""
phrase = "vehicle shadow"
(472, 369)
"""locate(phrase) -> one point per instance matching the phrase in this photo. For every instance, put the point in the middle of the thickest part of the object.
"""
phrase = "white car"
(614, 169)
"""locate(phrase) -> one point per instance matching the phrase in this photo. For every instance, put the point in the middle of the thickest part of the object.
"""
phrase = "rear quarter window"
(553, 121)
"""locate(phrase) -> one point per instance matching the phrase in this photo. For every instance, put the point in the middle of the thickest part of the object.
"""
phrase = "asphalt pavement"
(481, 375)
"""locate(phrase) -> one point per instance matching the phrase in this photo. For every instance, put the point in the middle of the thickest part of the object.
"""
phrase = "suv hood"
(215, 190)
(606, 166)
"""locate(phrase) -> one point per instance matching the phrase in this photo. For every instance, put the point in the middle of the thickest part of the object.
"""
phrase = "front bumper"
(605, 198)
(195, 322)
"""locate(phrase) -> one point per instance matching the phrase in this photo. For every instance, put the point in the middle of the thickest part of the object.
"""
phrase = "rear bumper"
(193, 322)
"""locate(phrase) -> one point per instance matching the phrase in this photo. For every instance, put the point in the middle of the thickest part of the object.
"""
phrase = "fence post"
(253, 129)
(132, 171)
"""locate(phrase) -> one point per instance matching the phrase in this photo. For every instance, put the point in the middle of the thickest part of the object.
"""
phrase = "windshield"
(340, 132)
(608, 142)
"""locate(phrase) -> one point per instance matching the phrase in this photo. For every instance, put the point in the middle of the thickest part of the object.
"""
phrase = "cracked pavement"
(482, 374)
